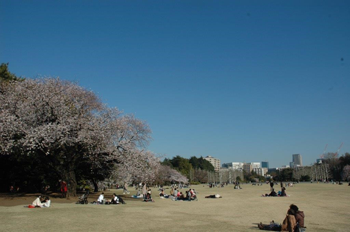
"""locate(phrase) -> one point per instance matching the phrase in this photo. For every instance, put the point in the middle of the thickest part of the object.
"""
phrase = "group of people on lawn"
(113, 201)
(178, 195)
(281, 193)
(294, 220)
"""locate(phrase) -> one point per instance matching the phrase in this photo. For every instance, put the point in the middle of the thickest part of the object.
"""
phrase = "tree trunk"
(69, 177)
(95, 185)
(72, 185)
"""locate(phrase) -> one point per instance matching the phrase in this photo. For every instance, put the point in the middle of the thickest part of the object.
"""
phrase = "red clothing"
(63, 187)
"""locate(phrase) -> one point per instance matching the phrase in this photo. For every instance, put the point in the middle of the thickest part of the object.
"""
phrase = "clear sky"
(242, 81)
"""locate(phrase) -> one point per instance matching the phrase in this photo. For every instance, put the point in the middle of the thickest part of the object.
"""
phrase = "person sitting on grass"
(289, 223)
(100, 199)
(299, 216)
(189, 195)
(178, 195)
(193, 194)
(148, 196)
(37, 202)
(181, 196)
(163, 195)
(46, 202)
(283, 192)
(294, 221)
(271, 194)
(114, 200)
(214, 196)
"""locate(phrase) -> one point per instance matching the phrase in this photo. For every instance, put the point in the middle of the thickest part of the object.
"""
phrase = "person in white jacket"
(101, 198)
(46, 203)
(37, 202)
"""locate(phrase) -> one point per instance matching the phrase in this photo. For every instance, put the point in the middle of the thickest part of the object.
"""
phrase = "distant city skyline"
(296, 161)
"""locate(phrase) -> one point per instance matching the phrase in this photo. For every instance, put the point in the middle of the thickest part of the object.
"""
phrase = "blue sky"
(243, 81)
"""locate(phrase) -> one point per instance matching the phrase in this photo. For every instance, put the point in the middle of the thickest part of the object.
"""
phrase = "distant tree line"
(331, 168)
(195, 169)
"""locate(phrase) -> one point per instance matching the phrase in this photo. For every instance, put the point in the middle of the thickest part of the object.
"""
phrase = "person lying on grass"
(214, 196)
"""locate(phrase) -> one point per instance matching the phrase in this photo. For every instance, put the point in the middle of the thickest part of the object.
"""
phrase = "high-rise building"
(247, 167)
(255, 164)
(265, 164)
(259, 171)
(215, 162)
(297, 161)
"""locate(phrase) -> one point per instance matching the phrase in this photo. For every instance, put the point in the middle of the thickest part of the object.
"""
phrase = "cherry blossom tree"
(346, 173)
(136, 166)
(65, 124)
(168, 174)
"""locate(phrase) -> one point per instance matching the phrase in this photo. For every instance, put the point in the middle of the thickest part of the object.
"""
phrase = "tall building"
(237, 165)
(215, 162)
(297, 160)
(255, 164)
(265, 164)
(247, 167)
(259, 171)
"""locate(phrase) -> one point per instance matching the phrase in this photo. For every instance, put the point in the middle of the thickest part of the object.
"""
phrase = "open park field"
(326, 208)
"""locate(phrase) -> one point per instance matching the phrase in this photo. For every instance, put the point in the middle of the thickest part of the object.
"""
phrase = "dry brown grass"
(326, 207)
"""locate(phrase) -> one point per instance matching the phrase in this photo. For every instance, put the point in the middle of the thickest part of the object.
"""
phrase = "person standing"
(63, 188)
(125, 188)
(144, 190)
(271, 185)
(175, 194)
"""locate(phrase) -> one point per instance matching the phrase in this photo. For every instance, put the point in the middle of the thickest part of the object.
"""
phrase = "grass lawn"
(326, 208)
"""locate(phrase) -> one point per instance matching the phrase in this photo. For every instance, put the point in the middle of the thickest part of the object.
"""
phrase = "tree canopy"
(6, 75)
(66, 128)
(201, 163)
